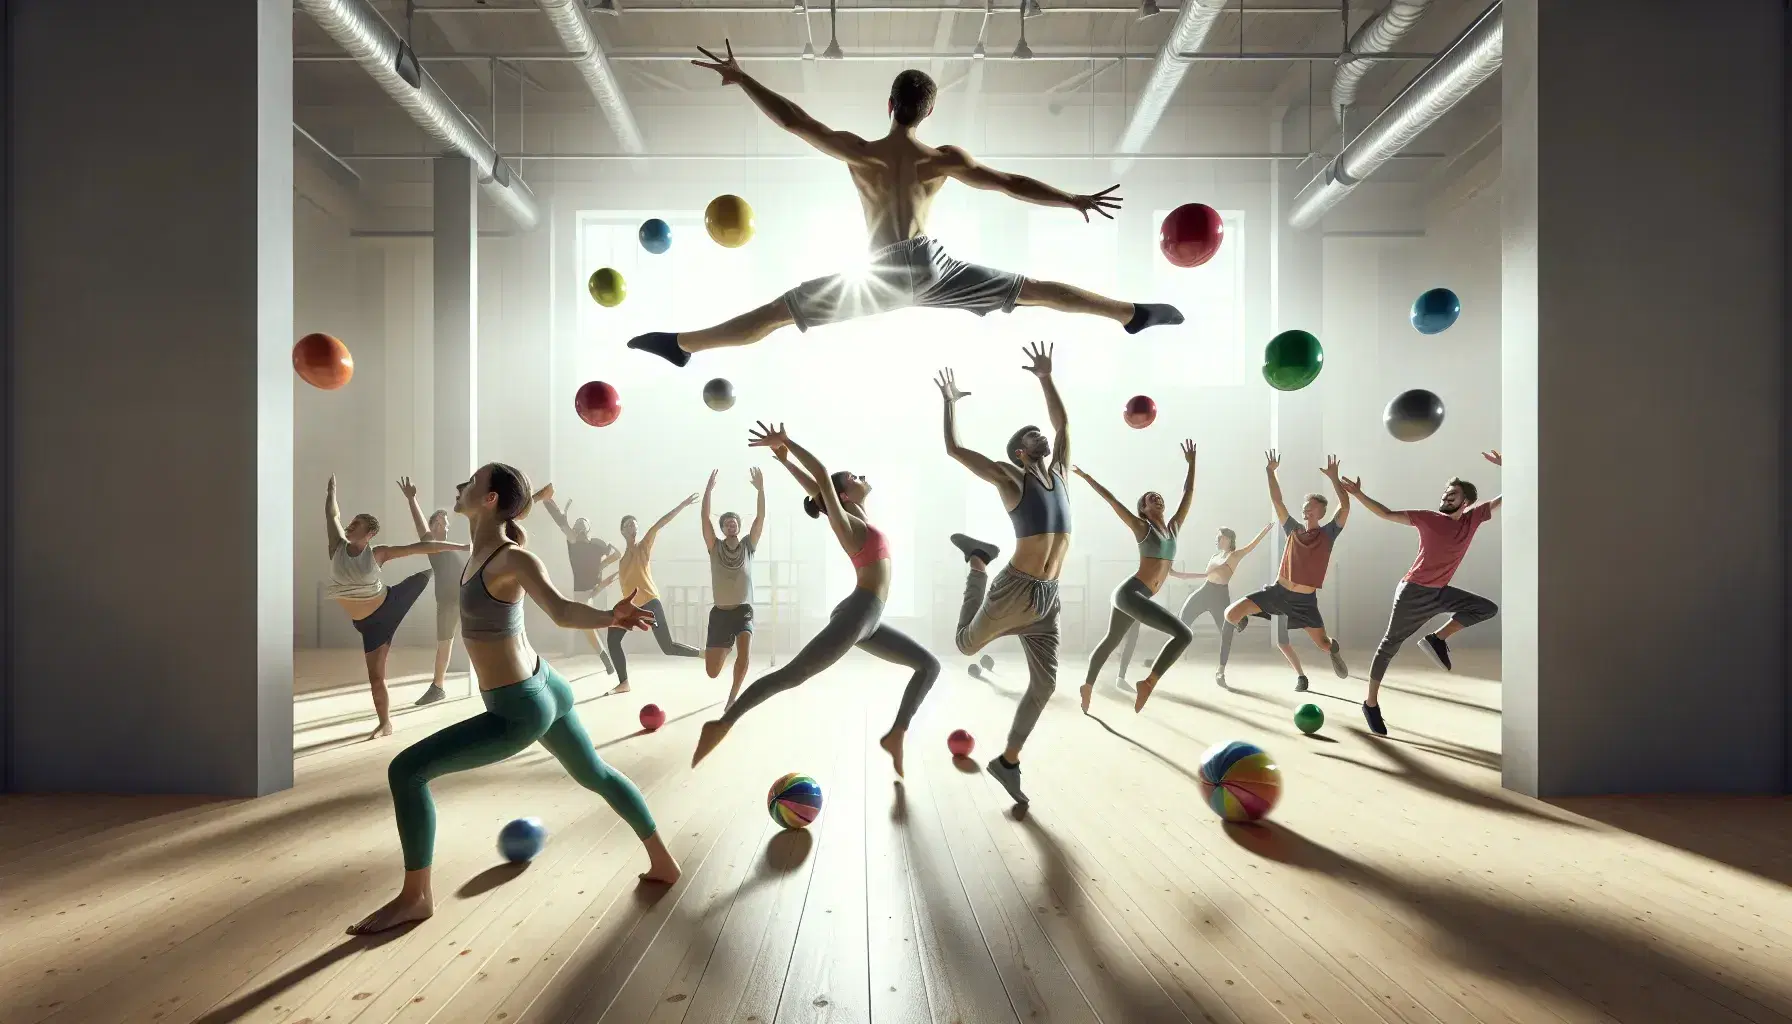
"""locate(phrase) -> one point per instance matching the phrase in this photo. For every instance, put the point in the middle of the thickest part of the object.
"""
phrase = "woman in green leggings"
(526, 701)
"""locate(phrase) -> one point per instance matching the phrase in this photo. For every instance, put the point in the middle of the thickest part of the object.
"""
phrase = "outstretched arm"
(766, 436)
(1188, 485)
(709, 530)
(382, 555)
(1493, 503)
(1041, 367)
(409, 490)
(1132, 521)
(982, 465)
(333, 517)
(960, 166)
(1331, 473)
(802, 478)
(558, 516)
(528, 572)
(653, 531)
(1275, 487)
(1238, 555)
(785, 114)
(1355, 488)
(758, 529)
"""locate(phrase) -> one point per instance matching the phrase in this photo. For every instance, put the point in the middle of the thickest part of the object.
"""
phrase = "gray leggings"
(1021, 606)
(853, 623)
(1208, 599)
(662, 632)
(1133, 605)
(1414, 606)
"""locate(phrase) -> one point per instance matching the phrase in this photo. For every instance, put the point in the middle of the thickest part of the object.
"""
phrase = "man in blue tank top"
(1023, 599)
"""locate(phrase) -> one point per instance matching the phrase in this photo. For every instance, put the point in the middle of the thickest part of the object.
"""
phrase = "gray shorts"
(1301, 611)
(727, 623)
(915, 272)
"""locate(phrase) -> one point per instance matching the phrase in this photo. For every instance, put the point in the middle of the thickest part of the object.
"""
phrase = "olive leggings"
(1133, 603)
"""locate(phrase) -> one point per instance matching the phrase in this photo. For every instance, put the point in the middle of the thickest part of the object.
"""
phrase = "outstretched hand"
(1041, 354)
(712, 480)
(764, 435)
(547, 494)
(1188, 449)
(757, 477)
(1493, 457)
(406, 488)
(628, 615)
(727, 67)
(1272, 459)
(1331, 468)
(1100, 203)
(947, 382)
(1078, 470)
(1352, 486)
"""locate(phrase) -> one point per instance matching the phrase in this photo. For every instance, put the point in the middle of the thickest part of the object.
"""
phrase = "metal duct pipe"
(1471, 60)
(1194, 19)
(360, 30)
(575, 34)
(1377, 35)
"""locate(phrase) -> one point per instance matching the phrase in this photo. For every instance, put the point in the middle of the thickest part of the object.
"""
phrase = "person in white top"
(1210, 598)
(375, 609)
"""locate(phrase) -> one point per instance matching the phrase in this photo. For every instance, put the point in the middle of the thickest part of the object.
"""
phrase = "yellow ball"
(729, 221)
(607, 287)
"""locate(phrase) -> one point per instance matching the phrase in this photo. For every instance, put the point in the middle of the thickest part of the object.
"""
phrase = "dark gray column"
(1645, 330)
(150, 490)
(456, 308)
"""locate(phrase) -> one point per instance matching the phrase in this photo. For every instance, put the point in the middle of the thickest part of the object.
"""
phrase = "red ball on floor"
(960, 743)
(652, 717)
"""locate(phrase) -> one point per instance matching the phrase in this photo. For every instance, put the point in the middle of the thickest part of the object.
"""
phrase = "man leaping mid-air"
(897, 177)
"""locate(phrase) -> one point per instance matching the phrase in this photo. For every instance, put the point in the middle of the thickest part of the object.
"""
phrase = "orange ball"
(323, 362)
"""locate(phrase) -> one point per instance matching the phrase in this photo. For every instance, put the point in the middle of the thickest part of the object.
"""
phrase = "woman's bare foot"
(1086, 691)
(892, 744)
(403, 909)
(1146, 685)
(614, 690)
(383, 729)
(662, 867)
(710, 738)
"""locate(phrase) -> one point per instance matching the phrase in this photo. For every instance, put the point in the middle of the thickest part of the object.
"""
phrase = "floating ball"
(652, 717)
(1140, 412)
(522, 839)
(655, 235)
(607, 286)
(1191, 234)
(729, 220)
(1435, 311)
(1414, 415)
(1292, 360)
(597, 403)
(960, 743)
(1308, 718)
(1239, 781)
(986, 661)
(794, 801)
(322, 361)
(976, 673)
(718, 394)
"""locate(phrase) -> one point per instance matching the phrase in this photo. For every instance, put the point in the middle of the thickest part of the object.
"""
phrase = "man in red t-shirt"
(1425, 591)
(1293, 598)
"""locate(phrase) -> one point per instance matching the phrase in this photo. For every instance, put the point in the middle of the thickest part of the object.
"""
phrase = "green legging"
(538, 708)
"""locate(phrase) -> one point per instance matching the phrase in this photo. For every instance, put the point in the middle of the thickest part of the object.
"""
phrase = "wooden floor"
(1397, 882)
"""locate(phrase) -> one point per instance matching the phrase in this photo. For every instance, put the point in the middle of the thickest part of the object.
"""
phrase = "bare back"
(897, 178)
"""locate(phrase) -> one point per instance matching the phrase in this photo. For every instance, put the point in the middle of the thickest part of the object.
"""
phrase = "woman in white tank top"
(356, 584)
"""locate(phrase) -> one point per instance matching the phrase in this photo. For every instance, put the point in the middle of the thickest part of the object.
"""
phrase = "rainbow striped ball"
(1240, 781)
(795, 800)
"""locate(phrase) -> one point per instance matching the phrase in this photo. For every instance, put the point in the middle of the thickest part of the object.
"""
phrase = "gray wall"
(1644, 338)
(151, 486)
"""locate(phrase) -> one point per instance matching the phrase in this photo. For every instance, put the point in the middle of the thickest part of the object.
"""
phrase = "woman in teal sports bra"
(1133, 598)
(526, 701)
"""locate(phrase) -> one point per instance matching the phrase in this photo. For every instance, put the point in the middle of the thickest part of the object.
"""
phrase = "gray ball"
(718, 394)
(1414, 415)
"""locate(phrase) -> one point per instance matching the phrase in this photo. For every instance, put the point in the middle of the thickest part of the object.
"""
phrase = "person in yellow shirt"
(636, 578)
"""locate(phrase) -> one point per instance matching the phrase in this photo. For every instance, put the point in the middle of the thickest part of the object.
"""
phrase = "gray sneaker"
(430, 696)
(1341, 670)
(1008, 777)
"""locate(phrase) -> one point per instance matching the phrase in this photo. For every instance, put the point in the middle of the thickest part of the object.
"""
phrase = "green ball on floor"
(1308, 718)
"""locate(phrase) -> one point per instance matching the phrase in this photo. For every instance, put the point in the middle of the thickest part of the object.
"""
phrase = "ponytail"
(514, 499)
(813, 506)
(515, 532)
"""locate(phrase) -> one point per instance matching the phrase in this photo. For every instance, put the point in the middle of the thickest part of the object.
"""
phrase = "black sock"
(1150, 314)
(663, 344)
(1007, 763)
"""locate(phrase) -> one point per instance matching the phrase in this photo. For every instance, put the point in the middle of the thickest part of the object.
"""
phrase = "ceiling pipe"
(1471, 60)
(568, 19)
(1194, 19)
(360, 30)
(1377, 35)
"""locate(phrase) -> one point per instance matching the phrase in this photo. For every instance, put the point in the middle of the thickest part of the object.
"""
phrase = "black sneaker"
(1372, 714)
(1439, 650)
(1241, 624)
(1339, 669)
(974, 548)
(1008, 777)
(430, 696)
(1300, 684)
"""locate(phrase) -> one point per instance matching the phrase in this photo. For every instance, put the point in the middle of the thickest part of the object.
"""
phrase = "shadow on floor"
(246, 1003)
(1415, 772)
(1751, 833)
(1161, 759)
(32, 819)
(489, 879)
(1556, 951)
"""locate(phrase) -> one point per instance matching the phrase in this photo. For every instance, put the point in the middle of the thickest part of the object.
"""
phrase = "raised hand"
(725, 66)
(547, 494)
(628, 615)
(1188, 450)
(757, 477)
(331, 487)
(1100, 203)
(406, 488)
(764, 435)
(1493, 457)
(1273, 460)
(1352, 486)
(712, 480)
(1041, 354)
(947, 382)
(1331, 467)
(688, 502)
(1078, 470)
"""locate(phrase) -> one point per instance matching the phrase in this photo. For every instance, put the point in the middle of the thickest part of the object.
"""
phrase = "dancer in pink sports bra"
(856, 621)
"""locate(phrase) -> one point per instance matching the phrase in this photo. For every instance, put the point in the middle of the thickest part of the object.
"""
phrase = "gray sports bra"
(484, 617)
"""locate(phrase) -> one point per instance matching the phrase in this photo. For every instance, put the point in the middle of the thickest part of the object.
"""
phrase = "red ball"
(322, 361)
(1191, 234)
(1141, 412)
(652, 717)
(597, 403)
(960, 743)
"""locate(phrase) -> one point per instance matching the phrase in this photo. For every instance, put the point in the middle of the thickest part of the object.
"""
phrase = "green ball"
(1292, 360)
(607, 287)
(1309, 718)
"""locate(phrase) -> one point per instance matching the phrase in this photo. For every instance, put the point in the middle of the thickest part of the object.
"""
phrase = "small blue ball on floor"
(522, 839)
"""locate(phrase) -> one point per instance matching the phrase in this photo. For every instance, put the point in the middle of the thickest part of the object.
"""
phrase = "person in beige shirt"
(635, 572)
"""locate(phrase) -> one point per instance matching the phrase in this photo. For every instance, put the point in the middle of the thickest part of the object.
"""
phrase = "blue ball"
(1435, 311)
(656, 235)
(522, 839)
